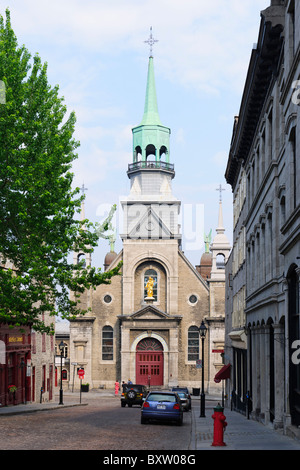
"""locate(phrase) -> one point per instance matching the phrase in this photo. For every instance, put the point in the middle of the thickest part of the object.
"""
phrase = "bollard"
(219, 426)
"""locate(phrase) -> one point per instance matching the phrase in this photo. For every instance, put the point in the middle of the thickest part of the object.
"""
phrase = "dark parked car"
(133, 394)
(185, 390)
(184, 400)
(162, 406)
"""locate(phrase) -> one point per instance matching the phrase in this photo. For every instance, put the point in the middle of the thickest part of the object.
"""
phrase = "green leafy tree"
(39, 222)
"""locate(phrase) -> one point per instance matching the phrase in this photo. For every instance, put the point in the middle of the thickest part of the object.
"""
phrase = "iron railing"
(157, 165)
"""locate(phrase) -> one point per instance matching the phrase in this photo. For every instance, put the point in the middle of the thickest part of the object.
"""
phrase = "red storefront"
(15, 359)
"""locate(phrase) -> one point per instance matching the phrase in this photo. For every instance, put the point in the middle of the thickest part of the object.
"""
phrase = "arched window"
(81, 258)
(150, 273)
(193, 343)
(150, 152)
(294, 337)
(220, 261)
(107, 343)
(137, 154)
(163, 153)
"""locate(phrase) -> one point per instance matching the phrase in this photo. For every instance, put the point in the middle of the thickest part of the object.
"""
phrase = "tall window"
(107, 343)
(294, 163)
(151, 273)
(81, 259)
(193, 343)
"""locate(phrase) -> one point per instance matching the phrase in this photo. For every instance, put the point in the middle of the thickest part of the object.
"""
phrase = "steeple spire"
(220, 247)
(151, 116)
(150, 138)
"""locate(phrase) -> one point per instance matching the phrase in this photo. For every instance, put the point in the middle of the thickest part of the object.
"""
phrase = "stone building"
(153, 339)
(63, 369)
(26, 362)
(42, 365)
(262, 295)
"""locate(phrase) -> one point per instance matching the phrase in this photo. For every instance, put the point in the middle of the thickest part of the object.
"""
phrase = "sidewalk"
(240, 433)
(33, 407)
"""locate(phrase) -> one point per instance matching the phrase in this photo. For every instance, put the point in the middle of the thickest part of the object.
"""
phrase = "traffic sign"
(81, 373)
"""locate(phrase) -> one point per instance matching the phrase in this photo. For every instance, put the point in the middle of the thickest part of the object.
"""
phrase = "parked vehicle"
(185, 390)
(162, 406)
(133, 394)
(184, 400)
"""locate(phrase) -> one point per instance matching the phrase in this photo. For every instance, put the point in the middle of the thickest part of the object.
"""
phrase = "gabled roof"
(158, 227)
(150, 312)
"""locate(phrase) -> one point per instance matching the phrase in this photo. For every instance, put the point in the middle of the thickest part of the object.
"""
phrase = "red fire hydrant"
(219, 426)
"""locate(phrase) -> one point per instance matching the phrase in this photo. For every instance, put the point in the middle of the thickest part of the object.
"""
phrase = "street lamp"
(61, 347)
(202, 333)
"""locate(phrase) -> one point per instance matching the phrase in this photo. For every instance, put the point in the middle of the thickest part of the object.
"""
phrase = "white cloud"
(202, 45)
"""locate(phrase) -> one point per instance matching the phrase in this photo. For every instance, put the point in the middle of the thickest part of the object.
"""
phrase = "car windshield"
(127, 387)
(161, 397)
(181, 394)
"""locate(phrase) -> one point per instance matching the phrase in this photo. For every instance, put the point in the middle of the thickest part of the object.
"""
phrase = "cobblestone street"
(101, 425)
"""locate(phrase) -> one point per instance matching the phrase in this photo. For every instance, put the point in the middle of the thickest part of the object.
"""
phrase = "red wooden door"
(149, 362)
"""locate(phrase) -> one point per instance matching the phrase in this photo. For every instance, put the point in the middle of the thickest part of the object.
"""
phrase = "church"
(144, 326)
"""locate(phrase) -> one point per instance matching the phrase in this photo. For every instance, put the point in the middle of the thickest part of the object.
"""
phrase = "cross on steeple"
(220, 189)
(151, 41)
(83, 188)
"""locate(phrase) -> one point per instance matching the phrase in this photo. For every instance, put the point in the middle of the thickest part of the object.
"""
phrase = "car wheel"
(123, 404)
(180, 421)
(144, 420)
(131, 394)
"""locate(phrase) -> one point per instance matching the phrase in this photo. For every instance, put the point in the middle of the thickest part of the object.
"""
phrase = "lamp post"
(61, 347)
(202, 333)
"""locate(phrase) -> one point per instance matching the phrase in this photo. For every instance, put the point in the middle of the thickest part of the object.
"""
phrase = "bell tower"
(151, 210)
(220, 247)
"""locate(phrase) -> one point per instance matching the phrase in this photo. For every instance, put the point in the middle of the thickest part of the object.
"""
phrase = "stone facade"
(263, 170)
(42, 365)
(129, 334)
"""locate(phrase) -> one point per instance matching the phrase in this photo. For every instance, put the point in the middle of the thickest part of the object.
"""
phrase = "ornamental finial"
(151, 41)
(220, 189)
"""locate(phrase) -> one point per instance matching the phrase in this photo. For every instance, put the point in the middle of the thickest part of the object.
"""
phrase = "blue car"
(162, 406)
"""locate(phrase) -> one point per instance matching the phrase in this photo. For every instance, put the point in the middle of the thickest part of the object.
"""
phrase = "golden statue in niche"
(149, 287)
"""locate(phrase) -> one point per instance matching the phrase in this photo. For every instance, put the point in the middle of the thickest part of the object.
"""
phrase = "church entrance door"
(149, 362)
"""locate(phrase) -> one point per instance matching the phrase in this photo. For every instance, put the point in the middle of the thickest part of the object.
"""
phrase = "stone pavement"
(240, 434)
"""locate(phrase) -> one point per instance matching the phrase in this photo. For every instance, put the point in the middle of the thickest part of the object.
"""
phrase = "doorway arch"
(294, 337)
(149, 362)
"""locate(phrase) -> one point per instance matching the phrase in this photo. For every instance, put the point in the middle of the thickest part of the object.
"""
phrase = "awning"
(223, 374)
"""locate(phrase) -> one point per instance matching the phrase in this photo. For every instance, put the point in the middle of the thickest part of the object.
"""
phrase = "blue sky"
(96, 53)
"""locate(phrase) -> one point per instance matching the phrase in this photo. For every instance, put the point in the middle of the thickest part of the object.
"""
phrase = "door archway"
(149, 362)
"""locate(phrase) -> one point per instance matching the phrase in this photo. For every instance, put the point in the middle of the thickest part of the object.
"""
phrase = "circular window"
(107, 299)
(193, 299)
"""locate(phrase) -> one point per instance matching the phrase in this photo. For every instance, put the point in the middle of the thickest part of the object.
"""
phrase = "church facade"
(150, 334)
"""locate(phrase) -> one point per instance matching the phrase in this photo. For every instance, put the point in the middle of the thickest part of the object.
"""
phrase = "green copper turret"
(151, 140)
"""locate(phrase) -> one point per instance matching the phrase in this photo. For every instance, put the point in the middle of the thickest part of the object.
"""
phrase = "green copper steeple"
(151, 140)
(151, 115)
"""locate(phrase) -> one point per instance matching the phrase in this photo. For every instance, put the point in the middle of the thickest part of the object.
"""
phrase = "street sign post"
(81, 376)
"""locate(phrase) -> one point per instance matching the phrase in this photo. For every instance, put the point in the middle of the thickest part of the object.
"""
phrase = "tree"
(39, 222)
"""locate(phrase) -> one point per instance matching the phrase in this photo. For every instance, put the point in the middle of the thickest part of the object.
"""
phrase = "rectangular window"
(193, 344)
(107, 343)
